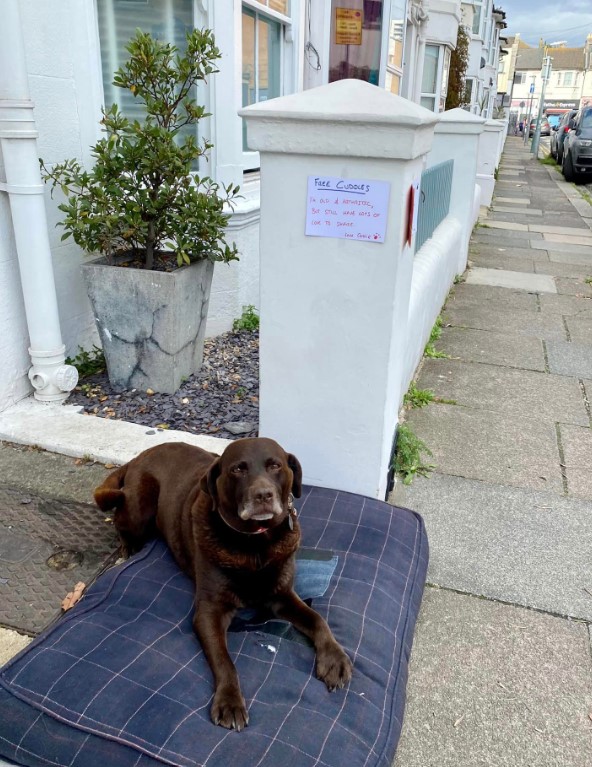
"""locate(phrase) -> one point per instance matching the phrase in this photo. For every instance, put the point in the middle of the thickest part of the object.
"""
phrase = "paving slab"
(510, 391)
(487, 234)
(499, 261)
(507, 543)
(493, 685)
(42, 472)
(493, 348)
(573, 287)
(561, 270)
(490, 446)
(570, 239)
(570, 359)
(561, 248)
(579, 328)
(504, 319)
(510, 252)
(577, 451)
(508, 209)
(567, 230)
(11, 643)
(513, 200)
(511, 226)
(504, 278)
(567, 305)
(498, 297)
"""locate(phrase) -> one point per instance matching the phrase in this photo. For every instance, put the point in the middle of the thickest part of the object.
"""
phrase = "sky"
(552, 20)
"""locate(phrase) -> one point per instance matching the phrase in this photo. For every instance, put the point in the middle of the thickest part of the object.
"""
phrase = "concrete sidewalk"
(501, 672)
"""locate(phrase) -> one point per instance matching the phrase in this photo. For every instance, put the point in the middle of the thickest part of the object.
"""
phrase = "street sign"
(532, 88)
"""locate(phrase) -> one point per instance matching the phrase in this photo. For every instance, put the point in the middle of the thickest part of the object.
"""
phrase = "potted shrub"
(157, 225)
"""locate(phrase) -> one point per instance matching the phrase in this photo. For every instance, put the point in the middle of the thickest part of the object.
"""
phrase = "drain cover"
(46, 546)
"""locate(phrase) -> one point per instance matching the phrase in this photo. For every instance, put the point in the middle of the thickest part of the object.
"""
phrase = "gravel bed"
(222, 399)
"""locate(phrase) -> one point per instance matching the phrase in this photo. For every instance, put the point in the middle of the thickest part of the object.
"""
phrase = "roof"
(561, 58)
(567, 58)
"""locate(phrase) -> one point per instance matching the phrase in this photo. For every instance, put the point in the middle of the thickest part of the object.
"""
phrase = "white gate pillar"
(456, 137)
(334, 311)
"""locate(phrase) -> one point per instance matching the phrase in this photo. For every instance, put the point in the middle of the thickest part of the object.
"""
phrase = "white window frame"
(571, 83)
(478, 7)
(438, 96)
(251, 159)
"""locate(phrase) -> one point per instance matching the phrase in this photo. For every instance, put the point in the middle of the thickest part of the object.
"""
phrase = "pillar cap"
(459, 121)
(347, 117)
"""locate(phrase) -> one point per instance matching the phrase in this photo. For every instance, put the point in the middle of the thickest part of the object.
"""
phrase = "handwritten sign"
(348, 26)
(347, 208)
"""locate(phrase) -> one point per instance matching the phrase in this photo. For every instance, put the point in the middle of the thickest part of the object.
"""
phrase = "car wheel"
(567, 168)
(553, 153)
(559, 156)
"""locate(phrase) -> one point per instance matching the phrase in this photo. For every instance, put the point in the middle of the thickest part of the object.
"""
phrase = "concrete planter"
(152, 324)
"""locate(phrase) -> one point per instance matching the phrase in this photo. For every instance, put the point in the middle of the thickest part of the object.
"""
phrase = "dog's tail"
(109, 495)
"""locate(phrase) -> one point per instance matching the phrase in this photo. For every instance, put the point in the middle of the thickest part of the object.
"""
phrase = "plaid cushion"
(121, 680)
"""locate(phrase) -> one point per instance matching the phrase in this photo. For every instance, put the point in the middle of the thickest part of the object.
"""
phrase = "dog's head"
(251, 484)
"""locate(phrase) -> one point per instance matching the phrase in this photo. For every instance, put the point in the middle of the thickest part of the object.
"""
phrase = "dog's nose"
(263, 496)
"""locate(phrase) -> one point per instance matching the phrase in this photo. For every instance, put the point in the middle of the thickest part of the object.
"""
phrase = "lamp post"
(546, 71)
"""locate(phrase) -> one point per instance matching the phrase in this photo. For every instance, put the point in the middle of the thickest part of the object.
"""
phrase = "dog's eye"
(240, 468)
(274, 465)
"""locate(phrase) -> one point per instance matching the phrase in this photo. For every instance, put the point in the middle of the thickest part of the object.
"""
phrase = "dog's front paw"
(334, 668)
(229, 710)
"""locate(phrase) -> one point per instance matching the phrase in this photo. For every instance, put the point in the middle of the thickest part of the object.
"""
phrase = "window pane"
(281, 6)
(269, 64)
(430, 69)
(428, 102)
(477, 20)
(356, 31)
(248, 80)
(392, 82)
(568, 78)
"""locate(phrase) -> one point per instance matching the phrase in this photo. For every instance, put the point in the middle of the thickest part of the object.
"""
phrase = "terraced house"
(57, 64)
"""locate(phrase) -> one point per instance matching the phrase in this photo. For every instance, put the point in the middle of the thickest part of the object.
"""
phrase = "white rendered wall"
(65, 87)
(490, 145)
(434, 269)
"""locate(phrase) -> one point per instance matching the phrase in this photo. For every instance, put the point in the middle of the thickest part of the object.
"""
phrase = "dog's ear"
(294, 464)
(208, 481)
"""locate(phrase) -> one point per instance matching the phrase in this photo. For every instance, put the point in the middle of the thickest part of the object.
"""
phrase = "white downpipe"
(51, 379)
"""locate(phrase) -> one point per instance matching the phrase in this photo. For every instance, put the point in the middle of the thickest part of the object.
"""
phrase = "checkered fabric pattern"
(121, 680)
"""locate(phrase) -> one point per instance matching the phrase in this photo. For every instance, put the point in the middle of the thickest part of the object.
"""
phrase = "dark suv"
(559, 133)
(577, 147)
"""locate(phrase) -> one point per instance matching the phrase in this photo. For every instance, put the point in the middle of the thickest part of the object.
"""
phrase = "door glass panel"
(356, 31)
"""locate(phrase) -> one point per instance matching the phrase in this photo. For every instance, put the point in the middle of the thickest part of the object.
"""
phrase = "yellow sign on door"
(348, 26)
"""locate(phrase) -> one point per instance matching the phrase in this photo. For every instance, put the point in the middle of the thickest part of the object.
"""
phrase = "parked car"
(558, 134)
(577, 147)
(545, 127)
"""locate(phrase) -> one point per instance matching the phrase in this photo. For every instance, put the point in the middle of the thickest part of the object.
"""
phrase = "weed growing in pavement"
(418, 397)
(249, 319)
(586, 195)
(407, 461)
(459, 277)
(548, 161)
(430, 349)
(88, 362)
(588, 280)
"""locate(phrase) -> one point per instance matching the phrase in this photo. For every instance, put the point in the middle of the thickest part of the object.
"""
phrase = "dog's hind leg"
(134, 501)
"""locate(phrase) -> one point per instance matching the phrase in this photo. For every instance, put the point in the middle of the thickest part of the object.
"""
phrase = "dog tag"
(290, 522)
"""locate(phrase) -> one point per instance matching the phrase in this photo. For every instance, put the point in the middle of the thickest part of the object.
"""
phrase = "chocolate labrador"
(231, 525)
